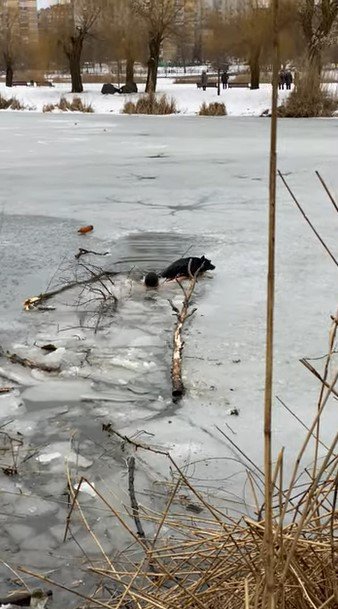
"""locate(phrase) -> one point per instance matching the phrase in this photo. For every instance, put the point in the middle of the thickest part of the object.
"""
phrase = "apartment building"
(27, 16)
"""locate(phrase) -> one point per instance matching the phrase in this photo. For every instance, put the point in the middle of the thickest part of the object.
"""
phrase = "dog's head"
(207, 264)
(151, 280)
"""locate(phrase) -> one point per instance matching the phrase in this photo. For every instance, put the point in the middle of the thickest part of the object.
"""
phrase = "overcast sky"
(44, 3)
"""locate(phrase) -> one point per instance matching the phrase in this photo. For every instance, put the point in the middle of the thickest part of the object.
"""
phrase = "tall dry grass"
(151, 104)
(309, 99)
(212, 109)
(66, 105)
(11, 103)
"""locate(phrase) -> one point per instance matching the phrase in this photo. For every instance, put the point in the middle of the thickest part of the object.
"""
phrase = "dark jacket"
(288, 78)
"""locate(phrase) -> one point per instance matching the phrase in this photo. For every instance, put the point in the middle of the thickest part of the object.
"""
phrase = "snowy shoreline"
(239, 102)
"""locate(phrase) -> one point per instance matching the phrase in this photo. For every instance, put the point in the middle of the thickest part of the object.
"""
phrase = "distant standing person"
(281, 81)
(288, 79)
(225, 79)
(204, 80)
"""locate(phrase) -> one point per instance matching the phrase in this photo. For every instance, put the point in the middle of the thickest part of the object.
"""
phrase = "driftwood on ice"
(178, 343)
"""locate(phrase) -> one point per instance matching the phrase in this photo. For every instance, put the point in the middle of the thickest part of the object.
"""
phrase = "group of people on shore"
(224, 79)
(285, 79)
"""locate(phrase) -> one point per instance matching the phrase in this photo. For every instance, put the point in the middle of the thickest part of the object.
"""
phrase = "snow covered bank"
(239, 102)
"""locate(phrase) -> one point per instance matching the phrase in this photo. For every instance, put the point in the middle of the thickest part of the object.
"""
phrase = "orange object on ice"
(85, 229)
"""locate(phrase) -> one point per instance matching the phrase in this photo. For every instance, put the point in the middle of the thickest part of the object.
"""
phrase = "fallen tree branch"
(33, 302)
(133, 500)
(82, 252)
(27, 363)
(178, 343)
(5, 390)
(216, 512)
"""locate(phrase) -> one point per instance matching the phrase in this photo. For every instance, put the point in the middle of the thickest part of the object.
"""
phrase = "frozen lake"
(153, 188)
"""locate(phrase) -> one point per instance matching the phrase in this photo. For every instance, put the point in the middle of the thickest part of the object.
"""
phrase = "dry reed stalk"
(52, 582)
(268, 551)
(331, 197)
(246, 592)
(332, 339)
(212, 560)
(75, 503)
(322, 379)
(304, 445)
(298, 419)
(222, 563)
(314, 230)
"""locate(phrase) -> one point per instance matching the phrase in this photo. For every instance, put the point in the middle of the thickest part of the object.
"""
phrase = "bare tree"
(133, 38)
(185, 35)
(9, 39)
(161, 18)
(317, 19)
(219, 41)
(252, 30)
(244, 33)
(124, 35)
(78, 27)
(52, 25)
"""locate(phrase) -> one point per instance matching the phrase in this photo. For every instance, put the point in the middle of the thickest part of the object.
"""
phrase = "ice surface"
(87, 488)
(56, 390)
(208, 195)
(78, 460)
(19, 376)
(11, 404)
(48, 457)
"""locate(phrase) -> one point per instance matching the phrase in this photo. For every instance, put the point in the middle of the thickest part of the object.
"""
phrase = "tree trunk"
(255, 68)
(153, 61)
(130, 69)
(198, 42)
(75, 72)
(9, 75)
(315, 61)
(74, 58)
(148, 78)
(317, 21)
(118, 73)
